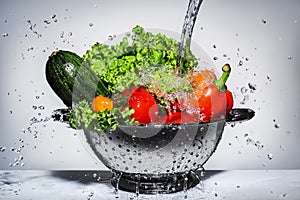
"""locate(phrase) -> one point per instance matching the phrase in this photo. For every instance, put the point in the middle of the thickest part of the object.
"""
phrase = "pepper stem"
(220, 83)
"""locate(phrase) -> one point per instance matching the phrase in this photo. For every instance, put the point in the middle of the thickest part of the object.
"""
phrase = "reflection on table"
(240, 184)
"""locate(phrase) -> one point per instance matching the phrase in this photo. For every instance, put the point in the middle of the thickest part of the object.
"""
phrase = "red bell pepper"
(229, 98)
(210, 96)
(215, 100)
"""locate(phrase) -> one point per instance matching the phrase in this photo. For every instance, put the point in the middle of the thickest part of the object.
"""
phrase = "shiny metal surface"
(156, 149)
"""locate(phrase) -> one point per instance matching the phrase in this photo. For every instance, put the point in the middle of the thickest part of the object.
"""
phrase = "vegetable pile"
(136, 82)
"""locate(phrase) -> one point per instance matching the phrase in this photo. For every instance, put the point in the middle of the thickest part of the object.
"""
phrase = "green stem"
(220, 83)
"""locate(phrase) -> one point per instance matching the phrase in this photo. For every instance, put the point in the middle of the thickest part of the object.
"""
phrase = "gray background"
(260, 39)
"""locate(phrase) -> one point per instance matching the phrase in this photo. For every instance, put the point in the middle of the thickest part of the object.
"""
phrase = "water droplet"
(30, 48)
(257, 144)
(110, 38)
(270, 156)
(90, 195)
(264, 21)
(2, 149)
(37, 97)
(91, 24)
(277, 125)
(245, 99)
(215, 58)
(290, 57)
(4, 34)
(244, 90)
(47, 22)
(241, 63)
(20, 158)
(284, 195)
(252, 86)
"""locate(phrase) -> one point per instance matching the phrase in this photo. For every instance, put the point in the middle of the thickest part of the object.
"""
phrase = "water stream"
(187, 30)
(117, 176)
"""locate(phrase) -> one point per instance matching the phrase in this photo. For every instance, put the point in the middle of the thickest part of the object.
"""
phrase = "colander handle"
(240, 115)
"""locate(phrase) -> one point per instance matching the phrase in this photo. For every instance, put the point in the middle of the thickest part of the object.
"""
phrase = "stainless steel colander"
(150, 155)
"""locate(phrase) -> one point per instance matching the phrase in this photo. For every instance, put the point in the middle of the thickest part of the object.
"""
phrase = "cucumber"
(64, 69)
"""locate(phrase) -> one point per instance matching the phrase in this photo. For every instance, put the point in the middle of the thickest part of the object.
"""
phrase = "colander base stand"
(157, 184)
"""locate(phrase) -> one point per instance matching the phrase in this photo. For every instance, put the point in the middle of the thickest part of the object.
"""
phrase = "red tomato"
(144, 105)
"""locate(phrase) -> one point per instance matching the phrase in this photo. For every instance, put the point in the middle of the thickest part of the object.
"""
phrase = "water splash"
(257, 143)
(117, 176)
(137, 186)
(185, 186)
(32, 27)
(90, 195)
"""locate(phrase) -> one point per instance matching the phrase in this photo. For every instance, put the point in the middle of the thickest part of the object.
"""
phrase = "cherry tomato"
(101, 103)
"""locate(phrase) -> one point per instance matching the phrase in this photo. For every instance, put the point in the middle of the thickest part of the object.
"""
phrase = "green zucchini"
(65, 71)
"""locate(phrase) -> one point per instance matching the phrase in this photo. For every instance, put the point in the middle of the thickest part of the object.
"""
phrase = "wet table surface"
(89, 185)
